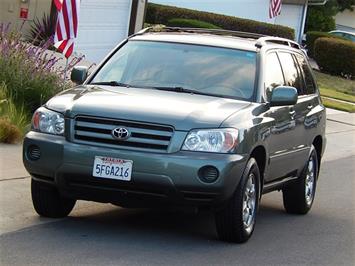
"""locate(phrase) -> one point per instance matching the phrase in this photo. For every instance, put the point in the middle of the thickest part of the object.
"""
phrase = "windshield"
(204, 69)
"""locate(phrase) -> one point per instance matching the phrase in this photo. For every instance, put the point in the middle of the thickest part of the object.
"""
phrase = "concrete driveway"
(99, 234)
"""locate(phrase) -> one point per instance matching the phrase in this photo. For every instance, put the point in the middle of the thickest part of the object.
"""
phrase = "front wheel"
(298, 197)
(236, 221)
(48, 202)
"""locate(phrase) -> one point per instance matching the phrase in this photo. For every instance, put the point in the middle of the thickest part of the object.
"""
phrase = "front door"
(282, 131)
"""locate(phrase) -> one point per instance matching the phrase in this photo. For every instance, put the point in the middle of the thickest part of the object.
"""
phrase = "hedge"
(161, 14)
(335, 56)
(312, 36)
(190, 23)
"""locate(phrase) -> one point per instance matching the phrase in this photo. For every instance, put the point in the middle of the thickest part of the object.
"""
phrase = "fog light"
(208, 174)
(33, 152)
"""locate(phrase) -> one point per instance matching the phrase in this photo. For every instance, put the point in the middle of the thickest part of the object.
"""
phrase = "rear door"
(309, 104)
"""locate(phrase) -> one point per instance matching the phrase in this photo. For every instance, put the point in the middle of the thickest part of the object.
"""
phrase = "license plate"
(113, 168)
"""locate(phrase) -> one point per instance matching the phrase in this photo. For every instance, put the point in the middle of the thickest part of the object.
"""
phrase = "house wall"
(346, 20)
(10, 12)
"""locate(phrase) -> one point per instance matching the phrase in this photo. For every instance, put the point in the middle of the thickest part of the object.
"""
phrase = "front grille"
(143, 135)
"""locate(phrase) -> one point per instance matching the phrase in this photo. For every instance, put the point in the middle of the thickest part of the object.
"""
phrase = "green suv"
(209, 119)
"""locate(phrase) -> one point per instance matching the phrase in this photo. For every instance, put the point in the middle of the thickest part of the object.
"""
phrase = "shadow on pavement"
(145, 237)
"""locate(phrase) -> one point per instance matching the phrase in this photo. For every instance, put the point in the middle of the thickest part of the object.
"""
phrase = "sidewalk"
(341, 117)
(11, 166)
(11, 162)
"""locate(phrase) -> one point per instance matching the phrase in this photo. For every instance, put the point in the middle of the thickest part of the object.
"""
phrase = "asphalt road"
(99, 234)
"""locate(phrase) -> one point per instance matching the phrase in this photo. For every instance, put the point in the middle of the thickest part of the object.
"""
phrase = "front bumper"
(170, 178)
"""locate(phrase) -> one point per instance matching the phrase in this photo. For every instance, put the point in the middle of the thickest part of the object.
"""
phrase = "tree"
(346, 4)
(321, 18)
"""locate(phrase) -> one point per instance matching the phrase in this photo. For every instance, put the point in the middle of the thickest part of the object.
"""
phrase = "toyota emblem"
(120, 133)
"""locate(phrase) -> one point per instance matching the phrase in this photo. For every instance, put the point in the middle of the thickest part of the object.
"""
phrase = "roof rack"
(277, 40)
(202, 30)
(261, 39)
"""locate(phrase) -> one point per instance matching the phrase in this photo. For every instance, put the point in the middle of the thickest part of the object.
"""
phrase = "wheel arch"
(259, 154)
(318, 145)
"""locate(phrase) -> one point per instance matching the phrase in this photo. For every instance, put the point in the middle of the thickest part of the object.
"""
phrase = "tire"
(48, 202)
(299, 196)
(230, 225)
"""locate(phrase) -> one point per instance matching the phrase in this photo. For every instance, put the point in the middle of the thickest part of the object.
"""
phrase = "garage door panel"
(102, 25)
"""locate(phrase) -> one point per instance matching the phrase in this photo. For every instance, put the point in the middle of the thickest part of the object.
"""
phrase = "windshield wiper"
(183, 90)
(111, 83)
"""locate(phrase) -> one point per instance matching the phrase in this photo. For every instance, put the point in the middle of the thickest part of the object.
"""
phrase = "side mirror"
(283, 95)
(79, 74)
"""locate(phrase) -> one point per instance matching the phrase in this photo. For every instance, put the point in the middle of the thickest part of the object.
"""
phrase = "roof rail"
(141, 32)
(201, 30)
(261, 40)
(277, 40)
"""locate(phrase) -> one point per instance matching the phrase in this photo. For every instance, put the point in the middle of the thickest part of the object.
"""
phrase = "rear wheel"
(236, 221)
(298, 197)
(48, 202)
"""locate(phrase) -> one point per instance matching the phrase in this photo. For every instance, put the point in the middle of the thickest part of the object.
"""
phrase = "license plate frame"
(112, 168)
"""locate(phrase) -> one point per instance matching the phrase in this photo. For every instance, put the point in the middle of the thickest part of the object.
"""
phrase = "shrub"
(9, 133)
(190, 23)
(30, 73)
(161, 14)
(312, 36)
(29, 76)
(42, 30)
(335, 56)
(14, 115)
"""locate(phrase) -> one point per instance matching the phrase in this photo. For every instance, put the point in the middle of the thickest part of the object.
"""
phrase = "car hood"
(181, 110)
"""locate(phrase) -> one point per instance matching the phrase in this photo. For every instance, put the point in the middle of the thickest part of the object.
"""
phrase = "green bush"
(29, 76)
(9, 133)
(14, 119)
(190, 23)
(312, 36)
(335, 56)
(28, 80)
(161, 14)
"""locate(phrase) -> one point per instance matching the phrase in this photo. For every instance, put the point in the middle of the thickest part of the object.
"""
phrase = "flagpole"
(66, 69)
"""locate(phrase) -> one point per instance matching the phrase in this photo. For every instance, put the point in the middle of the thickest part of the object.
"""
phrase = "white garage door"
(291, 16)
(102, 25)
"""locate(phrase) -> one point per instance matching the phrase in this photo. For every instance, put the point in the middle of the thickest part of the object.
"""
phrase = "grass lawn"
(339, 105)
(337, 88)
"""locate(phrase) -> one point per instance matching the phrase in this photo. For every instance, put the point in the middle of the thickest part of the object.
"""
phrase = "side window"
(307, 74)
(273, 74)
(289, 67)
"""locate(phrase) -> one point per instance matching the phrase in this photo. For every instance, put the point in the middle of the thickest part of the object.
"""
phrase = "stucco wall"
(10, 11)
(346, 20)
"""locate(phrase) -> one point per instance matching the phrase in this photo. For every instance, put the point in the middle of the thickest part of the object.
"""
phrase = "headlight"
(47, 121)
(222, 140)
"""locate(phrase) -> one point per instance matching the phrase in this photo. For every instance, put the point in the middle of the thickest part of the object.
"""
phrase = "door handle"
(292, 114)
(309, 107)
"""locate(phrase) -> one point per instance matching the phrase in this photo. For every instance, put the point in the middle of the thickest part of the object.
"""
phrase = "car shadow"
(165, 237)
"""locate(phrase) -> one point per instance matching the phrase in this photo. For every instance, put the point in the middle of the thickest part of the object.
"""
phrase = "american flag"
(274, 8)
(67, 25)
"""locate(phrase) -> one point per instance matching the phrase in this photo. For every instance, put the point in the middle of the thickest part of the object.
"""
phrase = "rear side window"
(289, 67)
(310, 87)
(273, 74)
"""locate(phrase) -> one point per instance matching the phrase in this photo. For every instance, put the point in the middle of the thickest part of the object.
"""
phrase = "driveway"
(102, 234)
